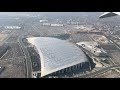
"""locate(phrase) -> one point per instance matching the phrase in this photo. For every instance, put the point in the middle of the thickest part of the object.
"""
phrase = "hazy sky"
(49, 13)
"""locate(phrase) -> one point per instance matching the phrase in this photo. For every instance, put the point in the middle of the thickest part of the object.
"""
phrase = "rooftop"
(56, 54)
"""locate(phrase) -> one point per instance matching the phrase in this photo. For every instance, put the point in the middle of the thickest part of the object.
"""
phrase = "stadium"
(59, 57)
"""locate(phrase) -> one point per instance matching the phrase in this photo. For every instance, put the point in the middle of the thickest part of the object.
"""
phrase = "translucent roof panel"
(57, 54)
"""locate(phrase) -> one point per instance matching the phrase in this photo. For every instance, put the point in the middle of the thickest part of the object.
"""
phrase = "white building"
(58, 56)
(12, 27)
(93, 47)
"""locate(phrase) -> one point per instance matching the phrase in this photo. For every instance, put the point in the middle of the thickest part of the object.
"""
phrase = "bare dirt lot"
(13, 68)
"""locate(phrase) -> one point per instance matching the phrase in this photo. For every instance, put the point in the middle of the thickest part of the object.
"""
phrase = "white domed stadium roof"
(56, 54)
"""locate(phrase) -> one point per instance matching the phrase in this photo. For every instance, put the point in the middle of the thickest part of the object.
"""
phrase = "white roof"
(57, 54)
(43, 20)
(12, 27)
(91, 45)
(56, 24)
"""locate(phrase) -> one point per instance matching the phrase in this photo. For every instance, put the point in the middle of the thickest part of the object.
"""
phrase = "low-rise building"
(57, 25)
(43, 21)
(12, 27)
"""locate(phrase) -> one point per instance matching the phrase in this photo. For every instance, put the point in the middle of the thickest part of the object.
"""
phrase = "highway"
(113, 42)
(17, 57)
(27, 58)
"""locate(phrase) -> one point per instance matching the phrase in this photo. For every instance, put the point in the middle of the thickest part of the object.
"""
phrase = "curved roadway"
(27, 59)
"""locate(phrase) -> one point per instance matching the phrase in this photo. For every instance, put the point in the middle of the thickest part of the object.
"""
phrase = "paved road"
(113, 42)
(27, 58)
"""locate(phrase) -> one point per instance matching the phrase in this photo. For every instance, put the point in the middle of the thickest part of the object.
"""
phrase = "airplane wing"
(109, 14)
